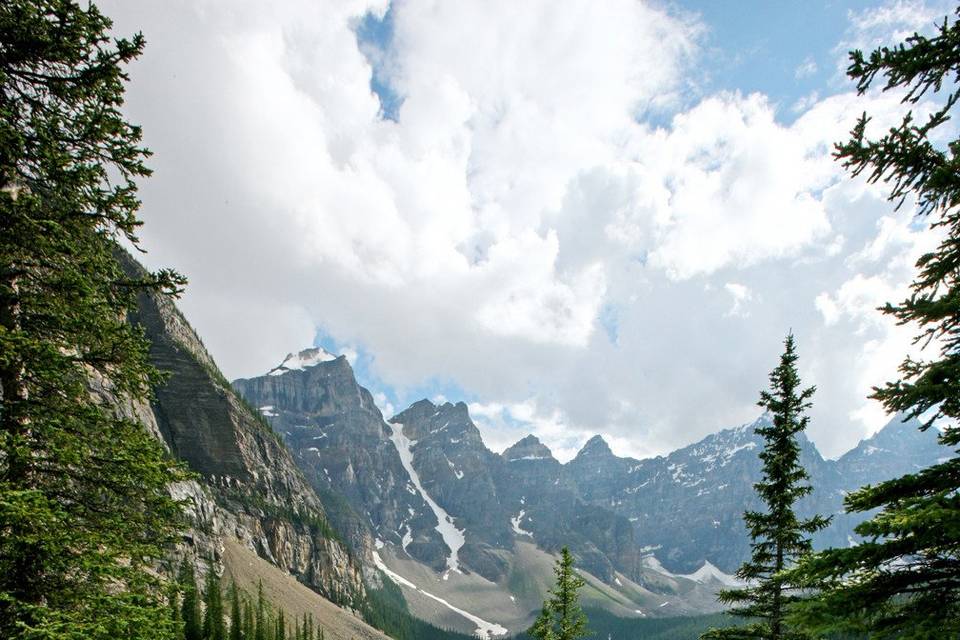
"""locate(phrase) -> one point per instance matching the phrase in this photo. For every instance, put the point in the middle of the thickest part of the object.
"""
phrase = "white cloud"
(741, 295)
(806, 68)
(521, 194)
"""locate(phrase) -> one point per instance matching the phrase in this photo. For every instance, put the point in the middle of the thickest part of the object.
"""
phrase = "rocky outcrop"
(342, 444)
(459, 473)
(249, 488)
(687, 507)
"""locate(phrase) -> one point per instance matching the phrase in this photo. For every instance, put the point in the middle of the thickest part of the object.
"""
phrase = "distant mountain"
(465, 525)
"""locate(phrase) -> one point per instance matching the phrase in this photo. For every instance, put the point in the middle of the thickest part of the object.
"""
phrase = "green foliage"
(604, 624)
(561, 617)
(386, 610)
(190, 607)
(236, 617)
(261, 616)
(778, 537)
(213, 627)
(904, 579)
(84, 509)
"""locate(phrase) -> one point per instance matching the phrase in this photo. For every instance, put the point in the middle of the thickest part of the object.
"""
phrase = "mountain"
(252, 514)
(343, 446)
(468, 533)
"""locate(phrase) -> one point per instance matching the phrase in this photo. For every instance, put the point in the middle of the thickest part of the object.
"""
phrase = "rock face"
(249, 487)
(425, 483)
(687, 507)
(341, 442)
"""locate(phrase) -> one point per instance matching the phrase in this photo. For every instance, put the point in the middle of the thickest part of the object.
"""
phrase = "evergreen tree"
(778, 537)
(190, 607)
(248, 623)
(260, 630)
(561, 617)
(213, 627)
(281, 633)
(236, 620)
(84, 507)
(903, 580)
(176, 615)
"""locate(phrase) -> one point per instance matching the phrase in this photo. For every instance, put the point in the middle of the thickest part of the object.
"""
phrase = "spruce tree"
(779, 537)
(561, 617)
(281, 633)
(248, 623)
(176, 615)
(903, 580)
(84, 507)
(260, 633)
(190, 606)
(236, 620)
(213, 627)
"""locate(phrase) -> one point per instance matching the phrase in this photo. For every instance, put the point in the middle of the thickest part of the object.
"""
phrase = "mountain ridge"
(438, 496)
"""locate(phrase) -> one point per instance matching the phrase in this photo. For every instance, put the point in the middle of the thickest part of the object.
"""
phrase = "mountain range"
(469, 534)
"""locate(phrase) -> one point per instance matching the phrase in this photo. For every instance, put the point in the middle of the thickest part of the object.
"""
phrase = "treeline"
(603, 625)
(387, 611)
(202, 614)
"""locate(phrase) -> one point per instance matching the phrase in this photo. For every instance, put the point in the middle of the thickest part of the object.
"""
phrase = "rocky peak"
(447, 423)
(595, 448)
(303, 359)
(528, 448)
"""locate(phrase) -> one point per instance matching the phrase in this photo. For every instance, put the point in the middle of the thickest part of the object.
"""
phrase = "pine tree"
(236, 620)
(190, 607)
(903, 580)
(248, 623)
(84, 507)
(281, 633)
(561, 617)
(260, 628)
(176, 615)
(213, 628)
(778, 537)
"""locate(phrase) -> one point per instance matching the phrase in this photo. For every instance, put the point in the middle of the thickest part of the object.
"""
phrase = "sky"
(577, 217)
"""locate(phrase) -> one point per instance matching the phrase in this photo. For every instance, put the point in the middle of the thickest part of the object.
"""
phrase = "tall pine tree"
(213, 626)
(779, 537)
(903, 580)
(561, 617)
(236, 620)
(190, 606)
(84, 507)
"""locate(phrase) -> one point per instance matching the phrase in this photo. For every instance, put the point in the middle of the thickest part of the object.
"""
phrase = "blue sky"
(579, 218)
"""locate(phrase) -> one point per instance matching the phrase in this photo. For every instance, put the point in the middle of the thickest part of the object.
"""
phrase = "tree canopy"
(84, 505)
(903, 580)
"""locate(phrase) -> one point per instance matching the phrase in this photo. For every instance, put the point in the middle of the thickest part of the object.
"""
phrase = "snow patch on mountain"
(515, 523)
(708, 572)
(452, 536)
(301, 360)
(485, 629)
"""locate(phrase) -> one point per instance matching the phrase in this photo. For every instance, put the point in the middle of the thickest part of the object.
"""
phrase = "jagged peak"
(527, 448)
(303, 359)
(426, 409)
(594, 447)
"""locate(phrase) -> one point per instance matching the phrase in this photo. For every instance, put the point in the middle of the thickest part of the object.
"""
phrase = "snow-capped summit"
(302, 360)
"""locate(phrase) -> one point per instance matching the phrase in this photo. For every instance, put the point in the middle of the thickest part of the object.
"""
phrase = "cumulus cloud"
(544, 180)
